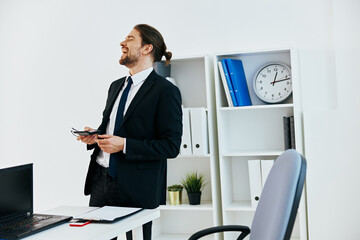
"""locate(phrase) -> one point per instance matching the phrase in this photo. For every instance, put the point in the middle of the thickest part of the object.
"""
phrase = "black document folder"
(108, 214)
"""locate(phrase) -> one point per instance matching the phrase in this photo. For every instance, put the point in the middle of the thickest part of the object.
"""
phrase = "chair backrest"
(279, 201)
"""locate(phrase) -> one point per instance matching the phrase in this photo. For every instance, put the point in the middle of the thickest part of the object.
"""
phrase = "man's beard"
(129, 61)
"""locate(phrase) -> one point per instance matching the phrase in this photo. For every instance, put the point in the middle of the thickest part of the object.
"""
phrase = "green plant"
(175, 187)
(193, 182)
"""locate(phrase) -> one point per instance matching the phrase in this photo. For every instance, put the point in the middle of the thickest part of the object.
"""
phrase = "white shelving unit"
(253, 132)
(194, 77)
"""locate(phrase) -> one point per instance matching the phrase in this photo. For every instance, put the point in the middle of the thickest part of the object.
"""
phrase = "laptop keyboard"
(22, 223)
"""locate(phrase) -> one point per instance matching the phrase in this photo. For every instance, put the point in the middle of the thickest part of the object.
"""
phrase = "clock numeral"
(263, 75)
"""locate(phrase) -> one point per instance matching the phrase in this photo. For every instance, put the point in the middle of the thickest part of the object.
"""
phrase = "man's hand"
(88, 139)
(110, 143)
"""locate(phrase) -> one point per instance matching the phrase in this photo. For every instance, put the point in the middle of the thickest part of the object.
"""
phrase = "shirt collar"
(141, 76)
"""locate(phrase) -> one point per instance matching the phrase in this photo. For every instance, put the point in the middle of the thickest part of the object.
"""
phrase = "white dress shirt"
(138, 79)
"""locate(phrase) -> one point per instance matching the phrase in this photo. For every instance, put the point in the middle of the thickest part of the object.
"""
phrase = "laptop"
(16, 205)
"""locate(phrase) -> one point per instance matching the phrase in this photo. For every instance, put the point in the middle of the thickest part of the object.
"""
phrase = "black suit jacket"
(152, 126)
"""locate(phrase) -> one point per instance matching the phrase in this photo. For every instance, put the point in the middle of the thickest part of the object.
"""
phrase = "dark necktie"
(118, 120)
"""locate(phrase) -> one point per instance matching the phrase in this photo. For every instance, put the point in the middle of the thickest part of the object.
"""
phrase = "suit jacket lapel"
(113, 96)
(149, 81)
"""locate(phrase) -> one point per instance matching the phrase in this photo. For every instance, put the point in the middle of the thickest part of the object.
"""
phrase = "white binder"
(186, 147)
(225, 84)
(255, 181)
(199, 131)
(266, 166)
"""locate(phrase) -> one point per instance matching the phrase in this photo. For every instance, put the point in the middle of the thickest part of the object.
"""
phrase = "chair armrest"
(238, 228)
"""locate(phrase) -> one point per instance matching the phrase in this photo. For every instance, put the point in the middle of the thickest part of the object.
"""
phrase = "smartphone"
(87, 133)
(79, 222)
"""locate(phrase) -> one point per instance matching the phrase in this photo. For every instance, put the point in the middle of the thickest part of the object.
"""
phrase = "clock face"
(273, 83)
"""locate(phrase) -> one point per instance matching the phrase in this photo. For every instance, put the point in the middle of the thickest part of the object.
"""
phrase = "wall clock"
(273, 83)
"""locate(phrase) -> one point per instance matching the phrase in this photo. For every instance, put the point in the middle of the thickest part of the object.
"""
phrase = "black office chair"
(279, 201)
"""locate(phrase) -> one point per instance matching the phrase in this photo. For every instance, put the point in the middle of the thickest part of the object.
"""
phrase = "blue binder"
(228, 80)
(238, 79)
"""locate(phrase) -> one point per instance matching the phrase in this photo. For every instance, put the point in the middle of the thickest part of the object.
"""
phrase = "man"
(128, 165)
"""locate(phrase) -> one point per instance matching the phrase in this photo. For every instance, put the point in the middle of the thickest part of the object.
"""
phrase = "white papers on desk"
(108, 214)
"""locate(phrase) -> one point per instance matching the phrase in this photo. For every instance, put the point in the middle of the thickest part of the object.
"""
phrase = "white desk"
(95, 231)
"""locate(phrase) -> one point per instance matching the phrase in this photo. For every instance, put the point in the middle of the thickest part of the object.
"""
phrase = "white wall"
(57, 59)
(332, 139)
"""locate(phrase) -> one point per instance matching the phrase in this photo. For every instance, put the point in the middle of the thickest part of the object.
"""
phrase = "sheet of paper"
(108, 213)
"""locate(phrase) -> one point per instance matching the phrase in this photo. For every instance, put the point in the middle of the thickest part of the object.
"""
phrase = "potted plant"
(194, 183)
(175, 194)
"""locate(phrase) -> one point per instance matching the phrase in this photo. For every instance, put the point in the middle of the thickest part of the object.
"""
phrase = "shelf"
(179, 237)
(192, 156)
(194, 78)
(257, 107)
(204, 206)
(175, 225)
(253, 132)
(253, 153)
(240, 206)
(185, 71)
(172, 237)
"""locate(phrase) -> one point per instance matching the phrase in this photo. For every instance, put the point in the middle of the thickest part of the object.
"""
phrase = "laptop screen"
(16, 192)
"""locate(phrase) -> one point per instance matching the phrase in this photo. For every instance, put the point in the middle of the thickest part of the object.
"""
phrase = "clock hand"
(274, 79)
(280, 80)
